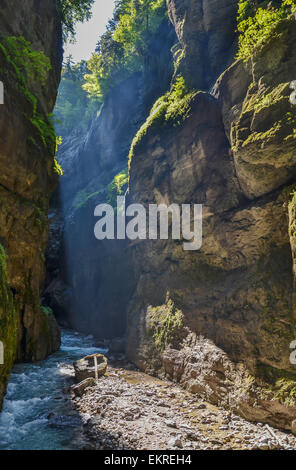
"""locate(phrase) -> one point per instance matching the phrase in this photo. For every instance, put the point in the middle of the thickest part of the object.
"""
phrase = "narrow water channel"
(37, 413)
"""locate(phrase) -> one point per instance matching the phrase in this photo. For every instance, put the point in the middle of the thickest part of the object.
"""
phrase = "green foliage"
(271, 98)
(285, 391)
(245, 10)
(73, 107)
(73, 11)
(279, 385)
(83, 197)
(164, 324)
(117, 187)
(123, 48)
(24, 66)
(257, 23)
(171, 109)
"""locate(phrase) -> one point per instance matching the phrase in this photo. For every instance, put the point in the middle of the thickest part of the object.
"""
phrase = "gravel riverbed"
(128, 409)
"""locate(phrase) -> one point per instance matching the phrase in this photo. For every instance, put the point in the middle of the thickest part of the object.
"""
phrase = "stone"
(79, 389)
(170, 423)
(175, 442)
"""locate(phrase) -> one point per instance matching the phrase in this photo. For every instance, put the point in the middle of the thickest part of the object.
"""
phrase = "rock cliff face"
(221, 319)
(218, 320)
(27, 148)
(206, 34)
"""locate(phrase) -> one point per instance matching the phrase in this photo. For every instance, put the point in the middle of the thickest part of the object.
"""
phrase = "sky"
(88, 33)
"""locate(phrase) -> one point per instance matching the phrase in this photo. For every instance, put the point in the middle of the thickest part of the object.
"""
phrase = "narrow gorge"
(182, 102)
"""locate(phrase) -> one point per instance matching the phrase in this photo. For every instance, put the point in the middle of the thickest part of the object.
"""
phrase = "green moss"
(285, 391)
(179, 54)
(83, 197)
(164, 324)
(25, 68)
(117, 187)
(47, 310)
(281, 129)
(170, 110)
(57, 167)
(278, 385)
(258, 23)
(29, 64)
(292, 219)
(266, 136)
(45, 133)
(271, 98)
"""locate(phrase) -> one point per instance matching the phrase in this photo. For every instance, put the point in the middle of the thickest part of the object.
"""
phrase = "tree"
(123, 49)
(73, 107)
(73, 11)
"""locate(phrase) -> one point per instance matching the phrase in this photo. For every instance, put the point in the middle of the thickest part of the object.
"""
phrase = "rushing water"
(36, 413)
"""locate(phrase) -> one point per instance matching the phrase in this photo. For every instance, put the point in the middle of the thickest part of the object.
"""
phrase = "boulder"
(79, 389)
(85, 367)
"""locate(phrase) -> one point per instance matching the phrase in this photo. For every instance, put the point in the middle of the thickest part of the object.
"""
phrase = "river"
(36, 414)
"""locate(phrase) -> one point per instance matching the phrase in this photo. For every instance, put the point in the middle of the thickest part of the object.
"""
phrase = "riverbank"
(38, 413)
(128, 409)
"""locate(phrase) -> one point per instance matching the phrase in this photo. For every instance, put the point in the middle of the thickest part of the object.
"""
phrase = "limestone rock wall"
(26, 180)
(235, 154)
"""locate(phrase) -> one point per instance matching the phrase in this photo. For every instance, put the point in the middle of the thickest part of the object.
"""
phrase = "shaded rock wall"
(26, 180)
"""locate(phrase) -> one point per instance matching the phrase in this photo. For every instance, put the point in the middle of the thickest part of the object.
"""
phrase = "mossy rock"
(85, 367)
(164, 325)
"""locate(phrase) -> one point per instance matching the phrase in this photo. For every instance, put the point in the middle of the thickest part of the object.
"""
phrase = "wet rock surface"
(128, 409)
(85, 367)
